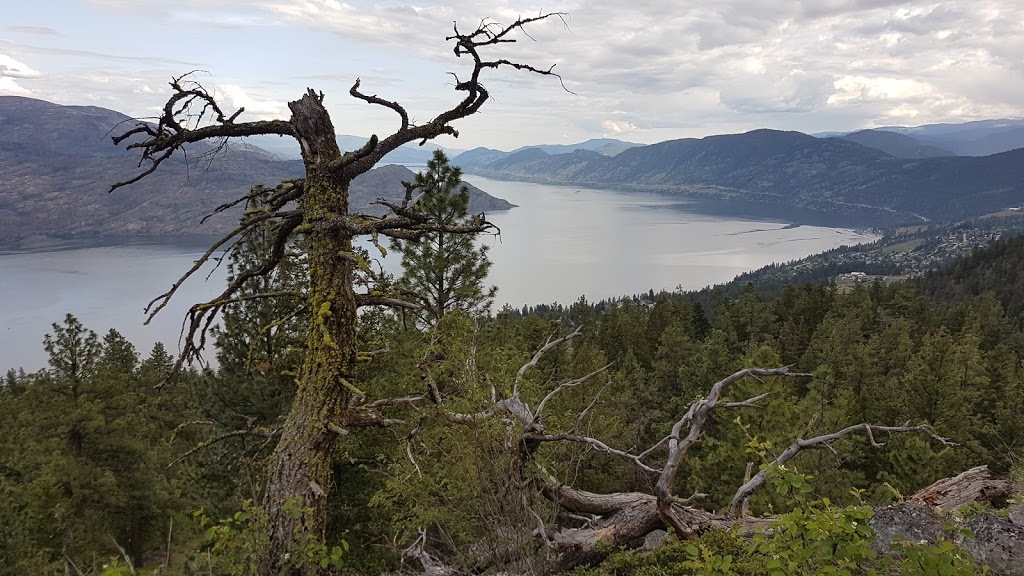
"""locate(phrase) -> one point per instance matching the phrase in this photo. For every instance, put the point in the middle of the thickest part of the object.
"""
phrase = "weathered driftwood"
(974, 485)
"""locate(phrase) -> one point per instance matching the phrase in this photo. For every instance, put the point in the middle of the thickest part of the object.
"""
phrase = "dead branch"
(694, 419)
(565, 385)
(190, 115)
(823, 441)
(258, 432)
(539, 354)
(390, 302)
(593, 442)
(583, 413)
(401, 401)
(972, 485)
(355, 93)
(431, 566)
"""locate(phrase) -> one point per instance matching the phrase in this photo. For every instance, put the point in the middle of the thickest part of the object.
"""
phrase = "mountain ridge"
(830, 175)
(57, 163)
(895, 144)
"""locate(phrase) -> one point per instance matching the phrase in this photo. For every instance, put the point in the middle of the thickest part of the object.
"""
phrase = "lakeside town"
(900, 254)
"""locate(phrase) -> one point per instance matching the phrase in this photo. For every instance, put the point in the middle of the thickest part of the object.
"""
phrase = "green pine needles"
(444, 271)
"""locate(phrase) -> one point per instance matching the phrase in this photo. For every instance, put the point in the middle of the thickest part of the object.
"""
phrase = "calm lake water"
(562, 242)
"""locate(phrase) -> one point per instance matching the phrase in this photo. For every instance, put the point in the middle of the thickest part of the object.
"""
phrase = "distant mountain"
(978, 138)
(478, 157)
(57, 163)
(288, 148)
(789, 169)
(606, 146)
(895, 144)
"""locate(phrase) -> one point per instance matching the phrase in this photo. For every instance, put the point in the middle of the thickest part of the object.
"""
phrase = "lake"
(561, 243)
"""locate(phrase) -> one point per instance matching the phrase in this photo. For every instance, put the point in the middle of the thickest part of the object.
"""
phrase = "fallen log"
(974, 485)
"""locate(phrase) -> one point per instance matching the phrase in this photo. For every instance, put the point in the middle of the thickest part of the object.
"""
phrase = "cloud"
(617, 126)
(9, 86)
(11, 71)
(859, 88)
(32, 30)
(648, 68)
(11, 68)
(232, 97)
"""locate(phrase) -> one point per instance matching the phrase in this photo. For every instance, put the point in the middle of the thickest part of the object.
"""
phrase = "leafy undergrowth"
(828, 542)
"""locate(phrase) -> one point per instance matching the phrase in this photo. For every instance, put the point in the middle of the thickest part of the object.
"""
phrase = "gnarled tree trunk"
(295, 498)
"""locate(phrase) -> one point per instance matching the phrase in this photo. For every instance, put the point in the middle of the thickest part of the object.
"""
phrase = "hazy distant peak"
(974, 138)
(895, 144)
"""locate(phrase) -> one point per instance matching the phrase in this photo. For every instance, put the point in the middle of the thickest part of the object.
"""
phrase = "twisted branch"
(823, 441)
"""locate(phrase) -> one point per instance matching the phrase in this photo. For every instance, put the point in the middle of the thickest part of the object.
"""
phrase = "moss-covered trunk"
(300, 476)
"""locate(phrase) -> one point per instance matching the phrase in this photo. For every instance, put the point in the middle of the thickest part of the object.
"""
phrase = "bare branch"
(823, 441)
(180, 124)
(591, 442)
(565, 385)
(354, 91)
(402, 401)
(748, 403)
(260, 432)
(539, 354)
(377, 300)
(541, 528)
(408, 453)
(475, 94)
(583, 413)
(285, 192)
(654, 447)
(694, 419)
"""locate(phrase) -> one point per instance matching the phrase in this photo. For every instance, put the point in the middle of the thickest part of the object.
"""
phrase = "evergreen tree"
(261, 340)
(445, 271)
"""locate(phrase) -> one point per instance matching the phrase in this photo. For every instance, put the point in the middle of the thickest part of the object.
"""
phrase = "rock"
(1017, 514)
(997, 543)
(654, 539)
(913, 522)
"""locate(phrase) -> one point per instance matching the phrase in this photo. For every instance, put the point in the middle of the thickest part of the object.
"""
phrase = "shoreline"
(200, 242)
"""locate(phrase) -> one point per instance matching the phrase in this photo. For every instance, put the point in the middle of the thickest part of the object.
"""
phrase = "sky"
(638, 70)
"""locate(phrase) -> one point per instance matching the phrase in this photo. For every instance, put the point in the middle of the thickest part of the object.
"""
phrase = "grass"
(907, 246)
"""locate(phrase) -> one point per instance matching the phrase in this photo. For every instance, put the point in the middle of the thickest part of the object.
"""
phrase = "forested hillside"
(102, 467)
(997, 270)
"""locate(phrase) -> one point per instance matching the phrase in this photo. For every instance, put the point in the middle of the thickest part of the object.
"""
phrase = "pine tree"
(445, 271)
(261, 340)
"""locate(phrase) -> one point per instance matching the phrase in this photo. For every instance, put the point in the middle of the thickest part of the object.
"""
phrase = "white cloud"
(860, 88)
(11, 68)
(11, 71)
(232, 97)
(617, 127)
(9, 86)
(648, 68)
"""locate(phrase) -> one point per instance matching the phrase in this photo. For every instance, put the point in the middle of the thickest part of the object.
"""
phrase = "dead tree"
(618, 519)
(315, 207)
